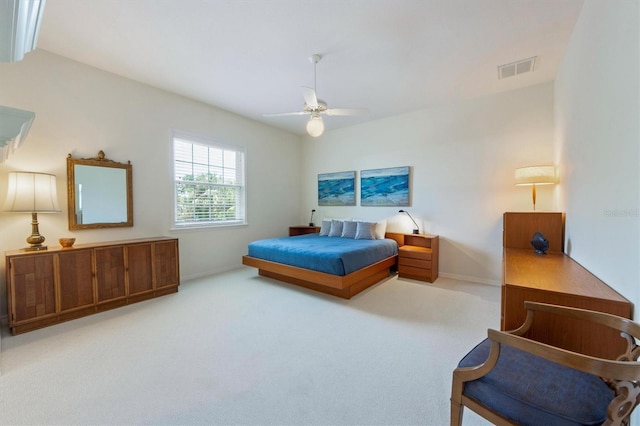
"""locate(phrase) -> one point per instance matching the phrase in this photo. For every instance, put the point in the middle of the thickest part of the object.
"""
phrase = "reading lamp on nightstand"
(536, 175)
(33, 193)
(417, 228)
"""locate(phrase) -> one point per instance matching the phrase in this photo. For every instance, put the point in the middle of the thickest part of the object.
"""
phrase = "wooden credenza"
(61, 284)
(557, 279)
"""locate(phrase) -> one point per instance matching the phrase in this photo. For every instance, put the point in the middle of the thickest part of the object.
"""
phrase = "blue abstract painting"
(385, 187)
(337, 189)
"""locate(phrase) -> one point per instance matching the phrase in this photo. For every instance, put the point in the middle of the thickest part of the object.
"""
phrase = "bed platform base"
(345, 286)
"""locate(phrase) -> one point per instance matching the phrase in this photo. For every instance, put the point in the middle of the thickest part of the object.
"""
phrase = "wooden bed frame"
(345, 286)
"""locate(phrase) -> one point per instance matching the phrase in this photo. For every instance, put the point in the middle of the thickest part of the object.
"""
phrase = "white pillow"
(349, 229)
(336, 228)
(381, 229)
(365, 231)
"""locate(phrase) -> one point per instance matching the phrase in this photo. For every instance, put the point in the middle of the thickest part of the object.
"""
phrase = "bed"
(335, 265)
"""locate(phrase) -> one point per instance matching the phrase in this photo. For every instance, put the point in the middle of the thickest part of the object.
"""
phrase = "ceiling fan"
(316, 108)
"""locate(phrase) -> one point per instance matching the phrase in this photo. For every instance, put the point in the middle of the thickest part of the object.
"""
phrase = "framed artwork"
(384, 187)
(337, 189)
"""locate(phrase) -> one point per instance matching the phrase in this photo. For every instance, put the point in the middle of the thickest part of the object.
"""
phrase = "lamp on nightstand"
(33, 193)
(536, 175)
(416, 230)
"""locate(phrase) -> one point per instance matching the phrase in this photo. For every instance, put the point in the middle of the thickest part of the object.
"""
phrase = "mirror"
(99, 193)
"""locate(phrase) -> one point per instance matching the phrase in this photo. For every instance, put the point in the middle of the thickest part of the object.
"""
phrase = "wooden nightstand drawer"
(413, 272)
(415, 252)
(416, 263)
(302, 230)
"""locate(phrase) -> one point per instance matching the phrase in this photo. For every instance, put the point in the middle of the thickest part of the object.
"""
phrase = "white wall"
(463, 158)
(81, 110)
(598, 143)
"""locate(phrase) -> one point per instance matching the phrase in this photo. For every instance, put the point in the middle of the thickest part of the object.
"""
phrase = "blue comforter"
(333, 255)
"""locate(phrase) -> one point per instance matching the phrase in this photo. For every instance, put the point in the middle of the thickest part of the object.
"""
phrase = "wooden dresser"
(60, 284)
(557, 279)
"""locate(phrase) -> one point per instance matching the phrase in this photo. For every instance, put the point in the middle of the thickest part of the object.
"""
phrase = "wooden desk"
(519, 227)
(557, 279)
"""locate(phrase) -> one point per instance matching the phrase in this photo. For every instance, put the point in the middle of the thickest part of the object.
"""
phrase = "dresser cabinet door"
(166, 263)
(32, 287)
(139, 268)
(76, 279)
(110, 273)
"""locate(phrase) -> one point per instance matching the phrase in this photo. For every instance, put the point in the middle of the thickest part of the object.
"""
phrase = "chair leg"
(457, 385)
(456, 413)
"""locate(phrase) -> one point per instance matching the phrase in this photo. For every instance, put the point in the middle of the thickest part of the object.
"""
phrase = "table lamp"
(536, 175)
(33, 193)
(416, 230)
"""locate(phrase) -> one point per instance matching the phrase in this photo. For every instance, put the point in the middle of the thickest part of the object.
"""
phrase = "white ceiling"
(251, 56)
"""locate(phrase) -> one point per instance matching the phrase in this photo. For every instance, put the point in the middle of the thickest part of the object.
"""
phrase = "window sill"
(200, 227)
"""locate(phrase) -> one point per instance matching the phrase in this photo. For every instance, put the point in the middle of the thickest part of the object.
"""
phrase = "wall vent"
(515, 68)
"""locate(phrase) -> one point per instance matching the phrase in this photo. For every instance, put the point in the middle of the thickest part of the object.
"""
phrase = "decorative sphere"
(540, 243)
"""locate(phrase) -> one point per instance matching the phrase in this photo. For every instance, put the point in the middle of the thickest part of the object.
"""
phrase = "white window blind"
(209, 183)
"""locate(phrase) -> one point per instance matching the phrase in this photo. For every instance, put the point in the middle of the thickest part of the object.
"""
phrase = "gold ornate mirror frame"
(99, 193)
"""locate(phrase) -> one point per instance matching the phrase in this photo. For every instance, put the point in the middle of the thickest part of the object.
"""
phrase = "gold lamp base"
(35, 240)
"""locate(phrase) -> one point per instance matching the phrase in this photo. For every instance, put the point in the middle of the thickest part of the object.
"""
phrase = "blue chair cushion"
(530, 390)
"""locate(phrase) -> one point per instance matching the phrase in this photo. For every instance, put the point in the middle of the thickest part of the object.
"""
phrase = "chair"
(511, 380)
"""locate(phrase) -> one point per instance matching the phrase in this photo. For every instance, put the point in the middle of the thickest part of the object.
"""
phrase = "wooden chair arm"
(617, 370)
(612, 321)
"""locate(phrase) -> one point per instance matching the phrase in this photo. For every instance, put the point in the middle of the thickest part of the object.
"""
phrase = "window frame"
(241, 201)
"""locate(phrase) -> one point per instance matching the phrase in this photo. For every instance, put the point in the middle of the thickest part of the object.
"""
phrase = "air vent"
(515, 68)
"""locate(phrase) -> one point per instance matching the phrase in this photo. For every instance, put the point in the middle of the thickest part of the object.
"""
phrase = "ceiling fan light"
(315, 126)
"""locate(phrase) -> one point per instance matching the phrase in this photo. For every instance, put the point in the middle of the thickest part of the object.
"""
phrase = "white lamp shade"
(538, 175)
(19, 27)
(32, 193)
(315, 126)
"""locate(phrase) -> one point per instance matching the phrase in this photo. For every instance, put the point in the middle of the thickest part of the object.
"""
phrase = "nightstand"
(418, 257)
(301, 230)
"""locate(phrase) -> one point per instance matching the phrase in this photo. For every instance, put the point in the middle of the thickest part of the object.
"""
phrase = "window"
(209, 183)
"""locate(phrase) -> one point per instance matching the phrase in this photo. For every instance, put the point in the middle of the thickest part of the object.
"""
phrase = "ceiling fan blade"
(281, 114)
(347, 111)
(310, 97)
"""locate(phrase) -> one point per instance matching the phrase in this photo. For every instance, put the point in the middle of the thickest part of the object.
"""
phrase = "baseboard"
(209, 273)
(471, 279)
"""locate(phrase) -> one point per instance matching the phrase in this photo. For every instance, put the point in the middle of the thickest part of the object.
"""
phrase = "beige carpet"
(238, 349)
